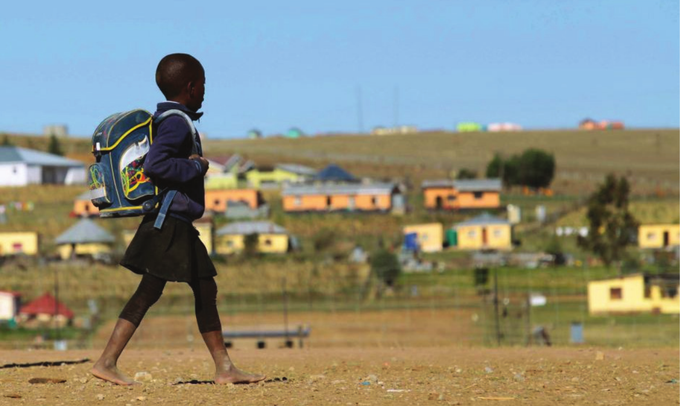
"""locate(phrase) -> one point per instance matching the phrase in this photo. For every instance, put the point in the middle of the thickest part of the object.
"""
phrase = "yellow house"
(484, 232)
(271, 238)
(84, 238)
(19, 243)
(428, 237)
(280, 174)
(83, 207)
(636, 293)
(658, 235)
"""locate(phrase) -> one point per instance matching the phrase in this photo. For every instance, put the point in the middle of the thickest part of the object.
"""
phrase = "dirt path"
(397, 376)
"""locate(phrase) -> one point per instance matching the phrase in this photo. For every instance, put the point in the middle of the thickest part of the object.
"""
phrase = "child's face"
(196, 94)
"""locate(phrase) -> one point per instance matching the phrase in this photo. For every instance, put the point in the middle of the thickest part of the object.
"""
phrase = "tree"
(466, 173)
(611, 226)
(385, 265)
(536, 168)
(6, 142)
(54, 146)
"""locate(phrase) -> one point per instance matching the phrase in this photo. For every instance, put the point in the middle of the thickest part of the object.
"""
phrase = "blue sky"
(272, 65)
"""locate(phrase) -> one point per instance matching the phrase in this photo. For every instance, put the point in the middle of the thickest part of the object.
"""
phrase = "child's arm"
(162, 162)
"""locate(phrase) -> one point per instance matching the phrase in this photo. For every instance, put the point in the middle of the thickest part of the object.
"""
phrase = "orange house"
(83, 207)
(382, 197)
(462, 194)
(217, 200)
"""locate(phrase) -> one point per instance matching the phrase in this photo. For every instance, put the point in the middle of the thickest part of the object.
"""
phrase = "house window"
(497, 232)
(18, 247)
(268, 242)
(14, 169)
(615, 293)
(651, 236)
(648, 292)
(472, 233)
(451, 198)
(478, 195)
(374, 200)
(329, 201)
(423, 237)
(230, 243)
(217, 202)
(297, 201)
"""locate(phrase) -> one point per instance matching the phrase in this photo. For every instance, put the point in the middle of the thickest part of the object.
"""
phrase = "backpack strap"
(195, 149)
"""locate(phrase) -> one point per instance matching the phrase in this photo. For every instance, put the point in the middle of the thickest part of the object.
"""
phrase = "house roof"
(10, 293)
(339, 189)
(251, 227)
(46, 304)
(297, 169)
(483, 219)
(13, 154)
(334, 173)
(85, 232)
(465, 185)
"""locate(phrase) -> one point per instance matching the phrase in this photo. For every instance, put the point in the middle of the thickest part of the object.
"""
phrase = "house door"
(439, 203)
(666, 239)
(485, 239)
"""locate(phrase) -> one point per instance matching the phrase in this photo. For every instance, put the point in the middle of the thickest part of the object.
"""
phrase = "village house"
(484, 232)
(85, 238)
(329, 197)
(637, 293)
(279, 175)
(10, 302)
(45, 310)
(217, 200)
(271, 238)
(657, 236)
(19, 243)
(21, 167)
(424, 237)
(468, 194)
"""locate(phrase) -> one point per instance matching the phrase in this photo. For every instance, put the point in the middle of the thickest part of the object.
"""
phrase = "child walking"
(174, 253)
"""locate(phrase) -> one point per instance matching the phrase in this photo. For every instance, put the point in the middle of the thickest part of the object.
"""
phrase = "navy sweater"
(167, 163)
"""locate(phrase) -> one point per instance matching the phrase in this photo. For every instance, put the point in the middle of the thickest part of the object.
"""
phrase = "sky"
(345, 66)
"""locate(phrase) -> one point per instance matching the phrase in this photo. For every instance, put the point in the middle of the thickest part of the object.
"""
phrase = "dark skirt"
(174, 253)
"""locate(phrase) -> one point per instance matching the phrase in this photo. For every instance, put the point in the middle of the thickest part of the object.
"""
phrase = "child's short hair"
(174, 71)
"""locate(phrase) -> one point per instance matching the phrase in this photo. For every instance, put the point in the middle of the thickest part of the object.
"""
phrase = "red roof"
(45, 304)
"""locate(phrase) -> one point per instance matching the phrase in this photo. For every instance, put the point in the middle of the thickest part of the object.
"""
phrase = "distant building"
(85, 238)
(658, 235)
(83, 207)
(254, 134)
(402, 129)
(424, 237)
(334, 174)
(46, 310)
(484, 232)
(21, 167)
(10, 302)
(271, 238)
(499, 127)
(467, 127)
(638, 293)
(217, 200)
(380, 197)
(462, 194)
(58, 130)
(19, 243)
(294, 132)
(590, 124)
(279, 175)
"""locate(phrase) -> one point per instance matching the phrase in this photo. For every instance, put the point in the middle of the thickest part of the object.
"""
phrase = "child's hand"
(204, 162)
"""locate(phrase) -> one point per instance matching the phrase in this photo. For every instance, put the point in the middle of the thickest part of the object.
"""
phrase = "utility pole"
(495, 306)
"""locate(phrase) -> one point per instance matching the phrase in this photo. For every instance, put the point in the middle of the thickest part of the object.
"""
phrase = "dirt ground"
(376, 376)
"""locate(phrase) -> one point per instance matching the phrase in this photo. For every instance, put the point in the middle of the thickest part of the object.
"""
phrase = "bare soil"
(357, 376)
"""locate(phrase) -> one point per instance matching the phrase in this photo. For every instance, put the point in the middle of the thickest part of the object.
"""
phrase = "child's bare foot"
(232, 374)
(111, 374)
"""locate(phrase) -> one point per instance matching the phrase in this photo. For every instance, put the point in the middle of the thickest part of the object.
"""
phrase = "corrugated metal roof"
(85, 232)
(251, 227)
(33, 157)
(297, 169)
(334, 173)
(332, 189)
(483, 219)
(467, 185)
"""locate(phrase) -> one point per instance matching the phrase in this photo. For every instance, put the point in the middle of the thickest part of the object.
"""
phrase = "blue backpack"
(118, 185)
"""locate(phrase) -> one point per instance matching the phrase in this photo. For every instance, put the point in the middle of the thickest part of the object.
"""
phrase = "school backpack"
(118, 185)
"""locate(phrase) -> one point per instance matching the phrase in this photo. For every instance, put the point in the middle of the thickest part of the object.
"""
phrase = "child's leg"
(149, 291)
(205, 297)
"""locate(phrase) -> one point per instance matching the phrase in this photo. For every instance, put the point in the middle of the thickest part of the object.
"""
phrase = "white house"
(21, 167)
(9, 304)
